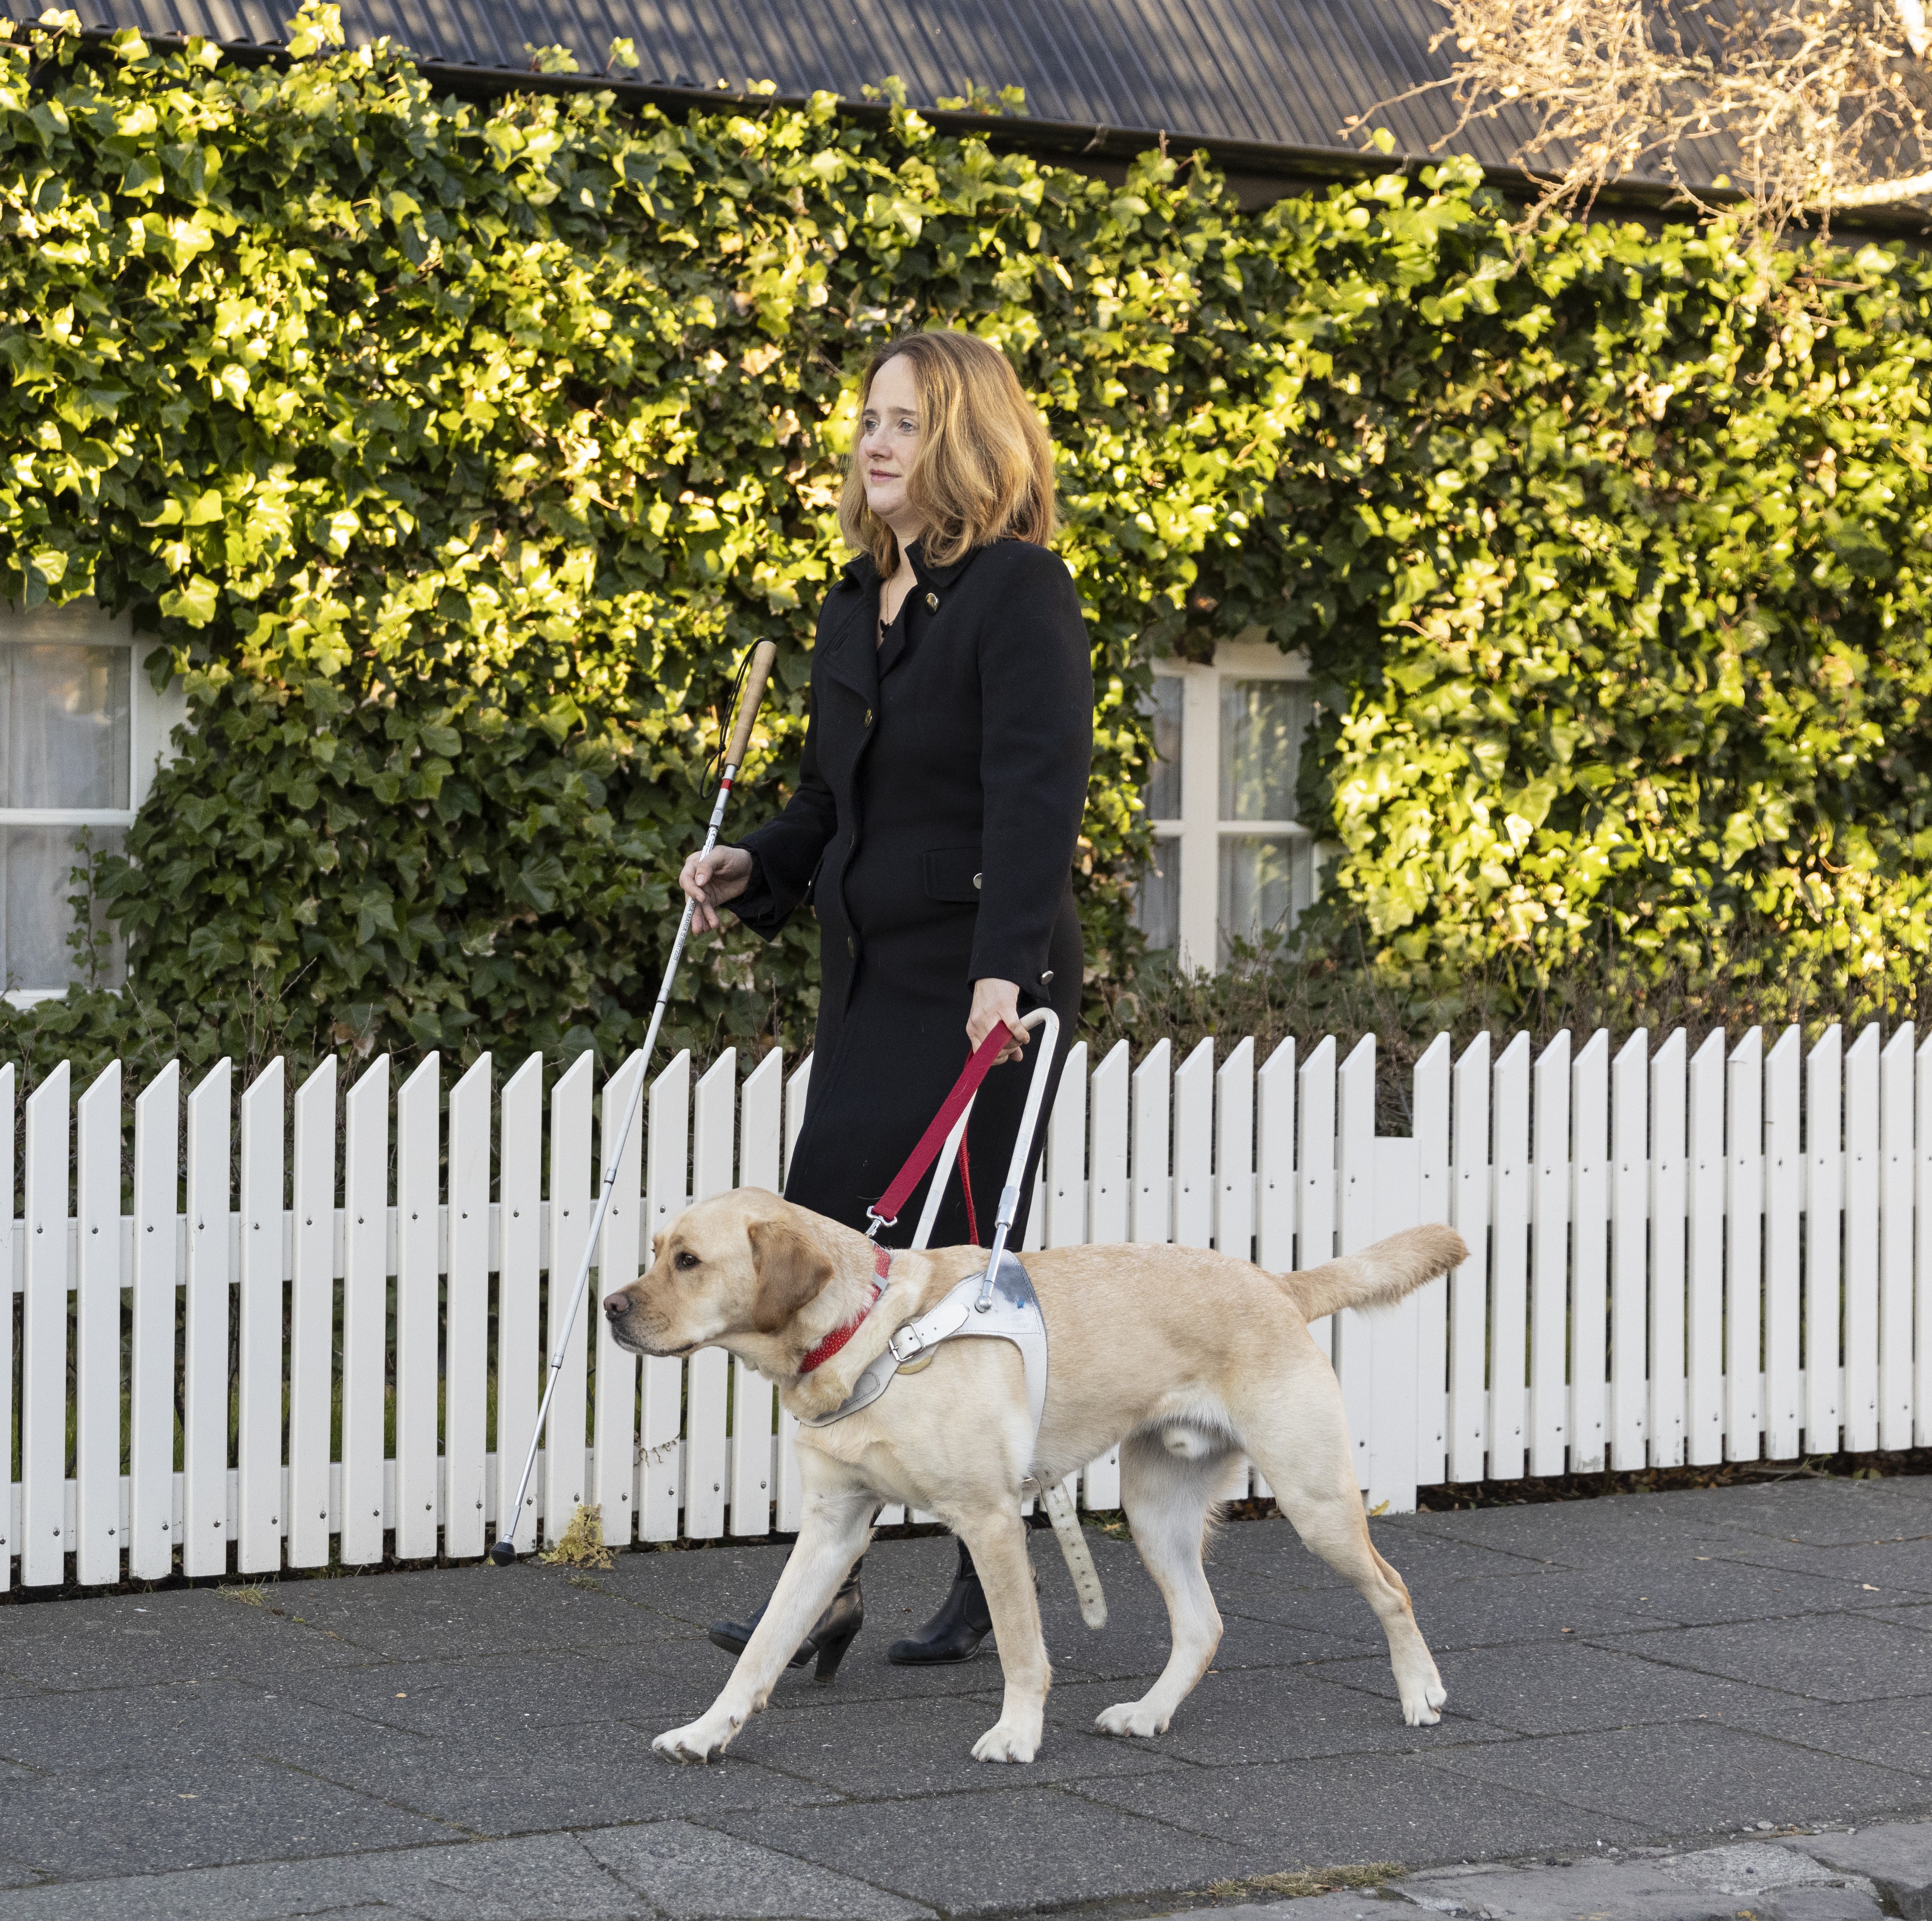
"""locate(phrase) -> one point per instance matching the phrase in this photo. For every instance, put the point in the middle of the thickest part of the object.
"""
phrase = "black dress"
(933, 829)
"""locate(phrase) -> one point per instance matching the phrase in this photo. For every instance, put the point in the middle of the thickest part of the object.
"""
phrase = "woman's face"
(888, 443)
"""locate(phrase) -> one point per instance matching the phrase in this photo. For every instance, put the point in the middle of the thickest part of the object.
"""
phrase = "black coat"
(939, 800)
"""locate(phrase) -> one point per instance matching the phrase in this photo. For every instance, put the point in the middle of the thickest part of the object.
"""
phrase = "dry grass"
(581, 1544)
(1311, 1881)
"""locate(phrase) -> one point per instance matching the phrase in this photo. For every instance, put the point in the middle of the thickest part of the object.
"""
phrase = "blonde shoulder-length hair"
(984, 469)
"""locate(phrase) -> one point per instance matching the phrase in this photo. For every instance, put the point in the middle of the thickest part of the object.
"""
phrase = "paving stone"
(872, 1748)
(696, 1873)
(1273, 1715)
(1703, 1593)
(1566, 1686)
(1629, 1890)
(1605, 1533)
(1362, 1808)
(1366, 1906)
(1688, 1777)
(1274, 1549)
(1896, 1857)
(1901, 1572)
(1008, 1848)
(137, 1818)
(1829, 1514)
(1893, 1734)
(1917, 1616)
(199, 1633)
(1835, 1657)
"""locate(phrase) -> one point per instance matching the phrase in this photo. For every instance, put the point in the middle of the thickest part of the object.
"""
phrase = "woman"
(939, 799)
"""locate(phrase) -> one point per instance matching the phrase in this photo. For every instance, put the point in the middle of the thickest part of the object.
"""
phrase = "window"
(1231, 861)
(76, 712)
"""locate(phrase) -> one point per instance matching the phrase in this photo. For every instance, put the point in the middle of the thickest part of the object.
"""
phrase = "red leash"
(887, 1212)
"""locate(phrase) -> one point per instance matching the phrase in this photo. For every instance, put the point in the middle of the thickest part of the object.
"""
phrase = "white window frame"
(152, 717)
(1200, 830)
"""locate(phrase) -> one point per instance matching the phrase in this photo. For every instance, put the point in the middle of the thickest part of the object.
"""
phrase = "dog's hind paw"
(1420, 1706)
(1002, 1743)
(1134, 1718)
(697, 1741)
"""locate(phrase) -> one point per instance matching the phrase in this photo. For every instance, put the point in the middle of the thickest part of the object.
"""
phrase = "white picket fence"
(1678, 1257)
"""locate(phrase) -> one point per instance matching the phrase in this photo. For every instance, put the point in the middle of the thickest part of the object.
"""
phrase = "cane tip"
(502, 1552)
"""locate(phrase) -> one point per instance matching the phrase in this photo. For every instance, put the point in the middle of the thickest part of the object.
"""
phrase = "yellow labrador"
(1187, 1360)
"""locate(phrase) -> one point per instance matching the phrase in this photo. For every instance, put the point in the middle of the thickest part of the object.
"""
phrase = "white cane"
(503, 1550)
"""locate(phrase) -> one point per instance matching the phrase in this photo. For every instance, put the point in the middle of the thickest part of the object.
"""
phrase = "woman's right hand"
(712, 879)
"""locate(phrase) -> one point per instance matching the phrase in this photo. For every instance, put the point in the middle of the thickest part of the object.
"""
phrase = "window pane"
(64, 720)
(36, 869)
(1267, 884)
(1157, 905)
(1262, 724)
(1161, 794)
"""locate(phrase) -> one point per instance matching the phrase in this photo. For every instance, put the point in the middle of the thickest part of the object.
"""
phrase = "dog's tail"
(1380, 1275)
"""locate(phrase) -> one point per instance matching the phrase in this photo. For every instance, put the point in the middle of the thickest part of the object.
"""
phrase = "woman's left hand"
(995, 1004)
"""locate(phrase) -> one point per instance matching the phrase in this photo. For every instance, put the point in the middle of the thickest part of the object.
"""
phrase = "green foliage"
(453, 454)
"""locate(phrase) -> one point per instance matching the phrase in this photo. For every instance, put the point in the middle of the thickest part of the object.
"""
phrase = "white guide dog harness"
(998, 1303)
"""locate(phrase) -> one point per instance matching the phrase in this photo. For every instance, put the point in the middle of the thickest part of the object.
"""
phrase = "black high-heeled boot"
(832, 1633)
(954, 1633)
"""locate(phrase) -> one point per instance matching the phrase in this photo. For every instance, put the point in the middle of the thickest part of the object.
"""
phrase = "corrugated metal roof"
(1282, 76)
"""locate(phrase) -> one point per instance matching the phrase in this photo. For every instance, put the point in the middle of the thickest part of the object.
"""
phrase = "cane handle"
(763, 654)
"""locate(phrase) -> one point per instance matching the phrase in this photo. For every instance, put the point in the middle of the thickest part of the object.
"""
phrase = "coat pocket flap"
(952, 873)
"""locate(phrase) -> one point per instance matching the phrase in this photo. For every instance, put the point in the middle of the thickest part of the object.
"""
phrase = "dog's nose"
(616, 1305)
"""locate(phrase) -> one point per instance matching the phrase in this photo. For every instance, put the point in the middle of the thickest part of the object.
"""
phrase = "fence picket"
(1669, 1415)
(258, 1445)
(707, 1374)
(1274, 1161)
(1235, 1153)
(311, 1318)
(96, 1545)
(1824, 1199)
(1783, 1204)
(419, 1158)
(761, 1133)
(1744, 1249)
(365, 1310)
(570, 1174)
(156, 1273)
(1895, 1235)
(1151, 1109)
(1861, 1241)
(1432, 1075)
(1704, 1330)
(1509, 1309)
(1314, 1171)
(1108, 1211)
(1468, 1286)
(661, 1437)
(1629, 1386)
(615, 1415)
(204, 1377)
(467, 1286)
(1922, 1341)
(1590, 1208)
(1064, 1163)
(1355, 1220)
(519, 1356)
(791, 1503)
(1193, 1225)
(1549, 1259)
(43, 1339)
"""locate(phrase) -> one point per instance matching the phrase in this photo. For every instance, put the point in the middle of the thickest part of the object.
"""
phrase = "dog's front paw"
(1133, 1717)
(1420, 1704)
(704, 1739)
(1002, 1741)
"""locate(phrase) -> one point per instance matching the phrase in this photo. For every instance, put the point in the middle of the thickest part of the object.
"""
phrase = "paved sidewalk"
(1626, 1675)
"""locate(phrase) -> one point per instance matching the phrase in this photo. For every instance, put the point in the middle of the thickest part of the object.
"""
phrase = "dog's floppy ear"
(791, 1273)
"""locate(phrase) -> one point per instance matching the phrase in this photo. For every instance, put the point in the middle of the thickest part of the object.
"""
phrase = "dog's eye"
(685, 1261)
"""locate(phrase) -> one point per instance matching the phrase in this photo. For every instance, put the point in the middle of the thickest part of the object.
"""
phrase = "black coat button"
(852, 946)
(868, 716)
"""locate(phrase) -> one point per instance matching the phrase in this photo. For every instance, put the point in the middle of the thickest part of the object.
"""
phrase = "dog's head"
(745, 1263)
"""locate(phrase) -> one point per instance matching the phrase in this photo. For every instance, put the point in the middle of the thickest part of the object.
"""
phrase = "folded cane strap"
(886, 1211)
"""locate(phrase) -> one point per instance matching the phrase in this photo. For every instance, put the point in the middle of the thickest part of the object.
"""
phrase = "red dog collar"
(882, 1265)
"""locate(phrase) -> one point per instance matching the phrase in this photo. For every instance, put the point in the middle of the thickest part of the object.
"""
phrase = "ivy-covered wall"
(453, 453)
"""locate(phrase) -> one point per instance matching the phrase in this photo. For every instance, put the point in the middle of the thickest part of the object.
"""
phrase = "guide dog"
(1186, 1359)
